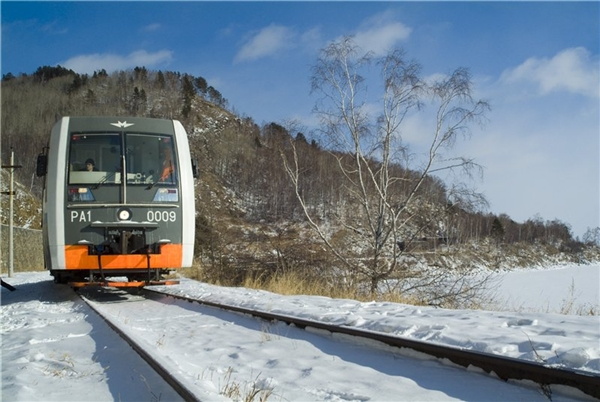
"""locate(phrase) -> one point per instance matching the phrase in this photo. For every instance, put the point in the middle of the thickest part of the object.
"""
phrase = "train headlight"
(124, 214)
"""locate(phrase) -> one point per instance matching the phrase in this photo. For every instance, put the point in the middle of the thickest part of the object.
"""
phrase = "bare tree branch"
(390, 200)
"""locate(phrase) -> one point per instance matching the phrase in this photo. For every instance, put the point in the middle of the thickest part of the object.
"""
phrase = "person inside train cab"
(168, 167)
(90, 166)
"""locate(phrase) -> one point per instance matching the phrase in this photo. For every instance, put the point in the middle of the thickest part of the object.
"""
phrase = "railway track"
(163, 372)
(505, 368)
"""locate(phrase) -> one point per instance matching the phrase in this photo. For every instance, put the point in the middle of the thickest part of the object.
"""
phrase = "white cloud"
(88, 63)
(54, 28)
(381, 33)
(435, 77)
(540, 152)
(380, 40)
(573, 70)
(311, 37)
(151, 27)
(266, 42)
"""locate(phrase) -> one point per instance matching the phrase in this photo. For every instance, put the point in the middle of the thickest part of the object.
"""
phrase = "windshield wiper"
(152, 184)
(104, 179)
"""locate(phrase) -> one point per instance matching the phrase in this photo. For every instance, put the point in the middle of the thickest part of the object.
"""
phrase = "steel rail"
(181, 389)
(504, 367)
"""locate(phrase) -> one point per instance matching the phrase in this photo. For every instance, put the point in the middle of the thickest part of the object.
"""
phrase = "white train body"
(118, 198)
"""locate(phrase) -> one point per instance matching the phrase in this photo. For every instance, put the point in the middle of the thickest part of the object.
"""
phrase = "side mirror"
(195, 168)
(42, 165)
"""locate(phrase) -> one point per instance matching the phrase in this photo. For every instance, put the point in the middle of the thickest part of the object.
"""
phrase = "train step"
(124, 284)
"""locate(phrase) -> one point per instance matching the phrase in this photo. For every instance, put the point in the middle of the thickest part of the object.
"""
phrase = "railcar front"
(118, 200)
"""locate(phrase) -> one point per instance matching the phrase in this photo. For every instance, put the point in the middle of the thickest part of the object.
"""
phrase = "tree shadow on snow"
(125, 374)
(44, 291)
(128, 376)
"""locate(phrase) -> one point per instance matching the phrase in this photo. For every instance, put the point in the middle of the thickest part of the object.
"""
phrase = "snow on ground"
(571, 341)
(55, 348)
(572, 290)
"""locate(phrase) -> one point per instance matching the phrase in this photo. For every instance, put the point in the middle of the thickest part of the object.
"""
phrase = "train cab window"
(150, 159)
(95, 158)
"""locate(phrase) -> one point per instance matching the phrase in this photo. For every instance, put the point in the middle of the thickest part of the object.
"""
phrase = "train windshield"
(95, 158)
(150, 159)
(98, 158)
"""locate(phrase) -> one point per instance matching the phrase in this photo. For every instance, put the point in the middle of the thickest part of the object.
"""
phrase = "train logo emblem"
(121, 125)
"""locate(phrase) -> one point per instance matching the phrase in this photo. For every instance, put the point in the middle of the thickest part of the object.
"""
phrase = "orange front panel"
(77, 257)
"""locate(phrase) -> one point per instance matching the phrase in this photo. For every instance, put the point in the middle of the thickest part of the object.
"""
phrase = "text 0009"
(161, 216)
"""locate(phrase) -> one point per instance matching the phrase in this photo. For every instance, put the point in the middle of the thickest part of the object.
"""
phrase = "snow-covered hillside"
(55, 348)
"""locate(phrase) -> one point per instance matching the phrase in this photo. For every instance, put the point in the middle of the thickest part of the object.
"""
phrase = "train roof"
(121, 123)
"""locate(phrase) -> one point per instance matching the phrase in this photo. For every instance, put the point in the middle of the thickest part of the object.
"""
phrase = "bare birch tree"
(391, 198)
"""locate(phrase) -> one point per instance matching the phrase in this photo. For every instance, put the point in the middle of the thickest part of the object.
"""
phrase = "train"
(118, 201)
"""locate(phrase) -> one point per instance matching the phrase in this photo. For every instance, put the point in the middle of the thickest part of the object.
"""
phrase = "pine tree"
(189, 93)
(497, 230)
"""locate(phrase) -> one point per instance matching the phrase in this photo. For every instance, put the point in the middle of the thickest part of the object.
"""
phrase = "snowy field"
(54, 348)
(572, 290)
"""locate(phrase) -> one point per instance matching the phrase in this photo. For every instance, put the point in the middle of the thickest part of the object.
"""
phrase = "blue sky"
(537, 63)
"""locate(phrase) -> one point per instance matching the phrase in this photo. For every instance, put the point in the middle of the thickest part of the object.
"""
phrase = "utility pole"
(11, 194)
